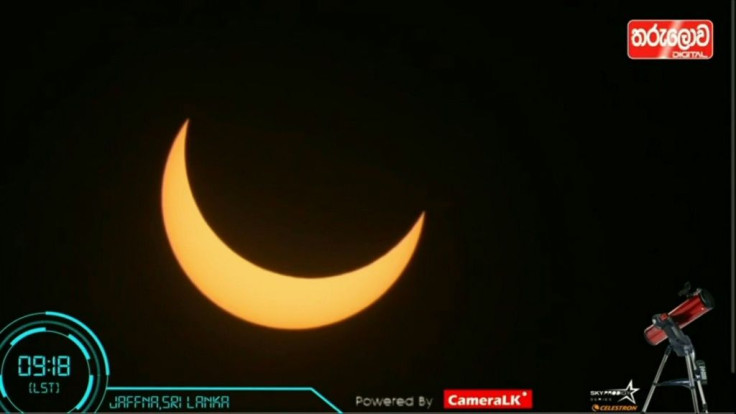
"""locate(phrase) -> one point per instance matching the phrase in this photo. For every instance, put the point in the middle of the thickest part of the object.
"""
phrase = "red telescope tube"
(696, 305)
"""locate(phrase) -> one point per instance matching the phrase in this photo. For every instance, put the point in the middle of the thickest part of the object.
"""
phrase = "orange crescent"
(258, 295)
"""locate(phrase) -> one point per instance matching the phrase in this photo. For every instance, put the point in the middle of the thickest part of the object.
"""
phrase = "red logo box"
(670, 39)
(489, 399)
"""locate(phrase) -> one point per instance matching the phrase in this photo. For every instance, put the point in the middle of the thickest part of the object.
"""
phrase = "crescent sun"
(258, 295)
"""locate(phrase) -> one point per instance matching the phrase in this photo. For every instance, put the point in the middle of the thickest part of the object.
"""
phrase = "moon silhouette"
(253, 293)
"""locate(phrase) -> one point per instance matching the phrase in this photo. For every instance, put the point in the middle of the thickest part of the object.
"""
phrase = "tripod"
(696, 374)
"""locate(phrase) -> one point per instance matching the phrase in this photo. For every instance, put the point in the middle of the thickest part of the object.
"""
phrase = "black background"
(569, 191)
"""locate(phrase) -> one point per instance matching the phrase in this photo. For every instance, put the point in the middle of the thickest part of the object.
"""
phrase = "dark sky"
(569, 191)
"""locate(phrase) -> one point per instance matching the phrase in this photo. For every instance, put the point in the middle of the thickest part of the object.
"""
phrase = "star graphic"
(628, 392)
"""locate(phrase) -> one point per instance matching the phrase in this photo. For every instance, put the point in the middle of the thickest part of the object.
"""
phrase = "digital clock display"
(40, 366)
(45, 371)
(51, 362)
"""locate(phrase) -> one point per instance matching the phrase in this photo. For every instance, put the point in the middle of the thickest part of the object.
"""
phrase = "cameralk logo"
(488, 399)
(615, 399)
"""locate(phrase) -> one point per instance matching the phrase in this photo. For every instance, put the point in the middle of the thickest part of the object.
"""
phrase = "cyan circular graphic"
(51, 362)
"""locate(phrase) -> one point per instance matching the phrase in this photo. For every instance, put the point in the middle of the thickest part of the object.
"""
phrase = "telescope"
(669, 326)
(696, 304)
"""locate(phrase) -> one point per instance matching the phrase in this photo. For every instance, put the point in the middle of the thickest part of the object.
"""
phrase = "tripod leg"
(702, 397)
(699, 382)
(691, 381)
(656, 378)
